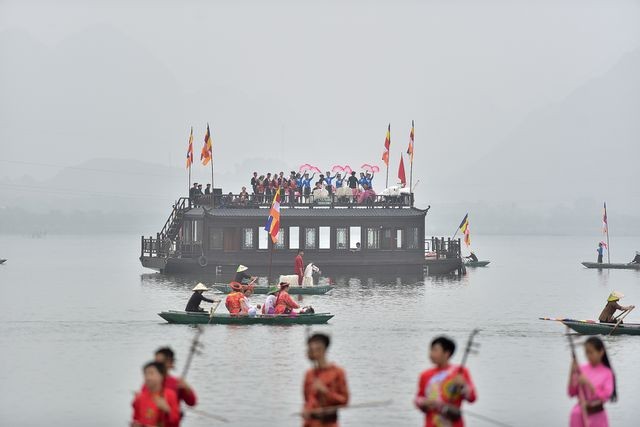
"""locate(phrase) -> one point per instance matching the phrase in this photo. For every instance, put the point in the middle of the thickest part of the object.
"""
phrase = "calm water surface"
(78, 319)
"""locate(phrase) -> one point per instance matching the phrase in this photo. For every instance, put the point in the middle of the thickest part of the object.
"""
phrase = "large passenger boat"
(216, 233)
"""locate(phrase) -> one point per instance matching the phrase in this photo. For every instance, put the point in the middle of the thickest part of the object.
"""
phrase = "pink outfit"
(602, 379)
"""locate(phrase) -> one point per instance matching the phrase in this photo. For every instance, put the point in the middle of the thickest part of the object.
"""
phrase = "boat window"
(413, 242)
(247, 238)
(355, 234)
(187, 228)
(197, 231)
(310, 238)
(373, 238)
(215, 238)
(386, 238)
(341, 238)
(399, 239)
(325, 237)
(281, 242)
(263, 238)
(294, 237)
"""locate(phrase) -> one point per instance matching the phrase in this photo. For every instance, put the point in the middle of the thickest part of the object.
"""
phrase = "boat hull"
(618, 266)
(594, 328)
(293, 290)
(435, 267)
(185, 318)
(476, 263)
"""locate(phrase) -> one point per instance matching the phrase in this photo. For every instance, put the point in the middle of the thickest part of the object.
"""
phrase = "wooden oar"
(213, 310)
(329, 409)
(622, 316)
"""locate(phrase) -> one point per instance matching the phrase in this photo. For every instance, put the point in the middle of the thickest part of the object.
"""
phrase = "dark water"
(78, 319)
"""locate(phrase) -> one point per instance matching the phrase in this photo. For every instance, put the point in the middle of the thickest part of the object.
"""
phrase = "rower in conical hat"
(607, 315)
(197, 298)
(242, 276)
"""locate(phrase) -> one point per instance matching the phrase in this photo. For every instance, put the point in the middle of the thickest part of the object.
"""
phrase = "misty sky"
(296, 81)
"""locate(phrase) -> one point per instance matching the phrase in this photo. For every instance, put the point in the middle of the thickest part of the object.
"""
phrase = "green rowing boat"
(187, 318)
(592, 327)
(293, 290)
(604, 265)
(476, 263)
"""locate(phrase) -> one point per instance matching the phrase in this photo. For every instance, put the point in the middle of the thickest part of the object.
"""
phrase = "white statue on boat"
(307, 278)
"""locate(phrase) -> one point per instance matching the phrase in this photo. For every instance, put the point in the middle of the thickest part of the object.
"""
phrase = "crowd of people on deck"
(303, 187)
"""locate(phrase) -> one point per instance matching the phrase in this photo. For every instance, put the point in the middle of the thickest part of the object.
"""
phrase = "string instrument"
(452, 412)
(196, 347)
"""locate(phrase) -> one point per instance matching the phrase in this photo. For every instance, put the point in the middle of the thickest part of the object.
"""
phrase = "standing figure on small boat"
(298, 266)
(194, 302)
(600, 251)
(597, 382)
(242, 276)
(607, 315)
(325, 385)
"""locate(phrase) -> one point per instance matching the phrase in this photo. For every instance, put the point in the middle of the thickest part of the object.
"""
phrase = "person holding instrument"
(443, 388)
(594, 383)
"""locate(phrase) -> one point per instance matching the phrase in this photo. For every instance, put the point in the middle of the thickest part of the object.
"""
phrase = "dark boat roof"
(199, 212)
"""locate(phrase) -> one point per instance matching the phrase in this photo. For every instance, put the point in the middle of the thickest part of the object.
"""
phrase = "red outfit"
(437, 384)
(147, 413)
(234, 302)
(284, 302)
(188, 396)
(299, 268)
(334, 378)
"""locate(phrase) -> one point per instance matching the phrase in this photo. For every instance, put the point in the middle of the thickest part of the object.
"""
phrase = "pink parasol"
(370, 168)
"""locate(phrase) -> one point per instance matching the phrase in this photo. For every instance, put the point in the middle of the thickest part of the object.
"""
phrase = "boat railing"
(442, 247)
(238, 201)
(165, 247)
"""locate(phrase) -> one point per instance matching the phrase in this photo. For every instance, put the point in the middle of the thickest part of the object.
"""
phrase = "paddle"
(622, 316)
(581, 399)
(213, 310)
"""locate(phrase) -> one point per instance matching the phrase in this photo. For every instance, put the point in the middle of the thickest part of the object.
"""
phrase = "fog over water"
(526, 112)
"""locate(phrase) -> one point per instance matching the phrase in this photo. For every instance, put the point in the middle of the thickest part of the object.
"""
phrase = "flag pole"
(270, 263)
(413, 147)
(608, 245)
(213, 196)
(388, 157)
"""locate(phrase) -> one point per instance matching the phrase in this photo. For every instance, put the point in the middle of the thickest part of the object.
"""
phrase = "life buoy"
(203, 261)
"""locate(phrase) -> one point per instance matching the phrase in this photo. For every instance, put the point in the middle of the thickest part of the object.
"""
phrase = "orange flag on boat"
(401, 174)
(387, 145)
(273, 222)
(207, 148)
(410, 148)
(190, 150)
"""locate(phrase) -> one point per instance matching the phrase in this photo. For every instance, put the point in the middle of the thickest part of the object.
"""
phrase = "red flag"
(401, 175)
(387, 144)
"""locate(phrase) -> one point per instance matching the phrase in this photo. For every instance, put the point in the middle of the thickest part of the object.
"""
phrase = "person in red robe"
(155, 405)
(299, 266)
(184, 391)
(284, 303)
(442, 388)
(325, 386)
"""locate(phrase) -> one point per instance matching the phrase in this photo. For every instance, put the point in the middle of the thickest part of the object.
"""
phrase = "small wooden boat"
(2, 260)
(591, 327)
(604, 265)
(476, 263)
(293, 290)
(187, 318)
